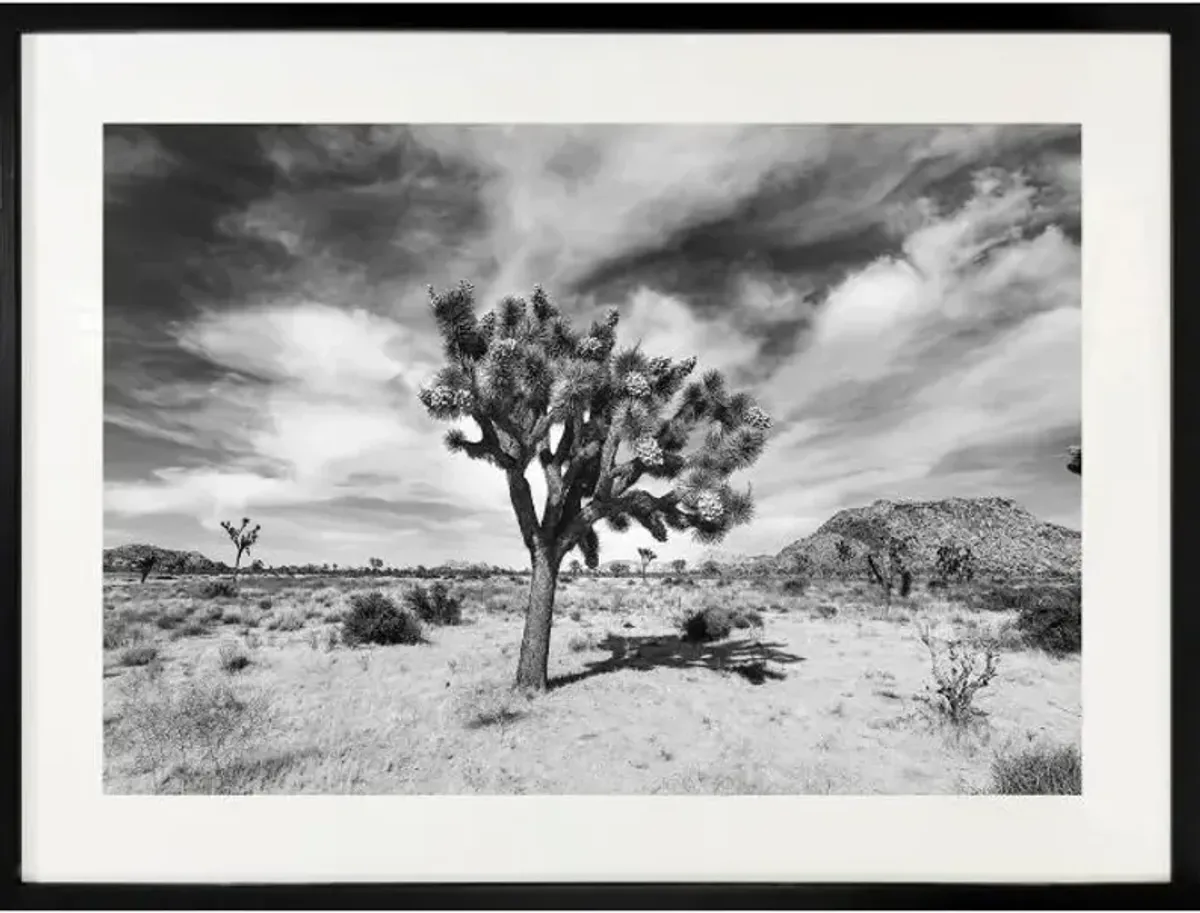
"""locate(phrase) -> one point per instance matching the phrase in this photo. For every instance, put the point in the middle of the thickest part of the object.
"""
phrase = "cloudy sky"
(904, 300)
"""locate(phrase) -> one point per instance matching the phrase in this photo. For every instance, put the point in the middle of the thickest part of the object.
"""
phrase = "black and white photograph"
(592, 459)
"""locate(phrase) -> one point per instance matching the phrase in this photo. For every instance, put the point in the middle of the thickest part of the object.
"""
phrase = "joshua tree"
(646, 555)
(1075, 460)
(618, 568)
(711, 568)
(596, 421)
(243, 540)
(844, 551)
(145, 565)
(954, 562)
(678, 565)
(889, 566)
(376, 564)
(576, 567)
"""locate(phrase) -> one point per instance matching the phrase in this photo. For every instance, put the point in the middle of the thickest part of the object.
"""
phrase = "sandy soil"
(813, 702)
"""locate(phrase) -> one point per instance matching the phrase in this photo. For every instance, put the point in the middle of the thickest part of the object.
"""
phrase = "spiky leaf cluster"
(597, 419)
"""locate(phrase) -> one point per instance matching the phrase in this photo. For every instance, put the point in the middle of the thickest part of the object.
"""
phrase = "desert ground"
(258, 693)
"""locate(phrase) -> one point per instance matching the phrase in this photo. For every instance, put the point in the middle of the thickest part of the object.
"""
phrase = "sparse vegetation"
(638, 667)
(1040, 770)
(204, 726)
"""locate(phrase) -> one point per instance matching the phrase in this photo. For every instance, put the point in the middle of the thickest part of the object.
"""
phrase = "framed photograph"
(530, 465)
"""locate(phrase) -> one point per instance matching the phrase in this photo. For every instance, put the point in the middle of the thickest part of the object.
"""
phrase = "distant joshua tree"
(521, 372)
(646, 555)
(889, 566)
(844, 551)
(678, 565)
(243, 540)
(711, 568)
(954, 563)
(576, 567)
(376, 564)
(1075, 460)
(618, 568)
(257, 566)
(145, 565)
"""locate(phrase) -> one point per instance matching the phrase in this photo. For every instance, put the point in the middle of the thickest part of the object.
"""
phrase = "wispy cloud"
(906, 301)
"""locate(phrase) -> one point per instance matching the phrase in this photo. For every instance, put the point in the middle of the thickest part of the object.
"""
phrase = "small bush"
(233, 657)
(375, 619)
(265, 603)
(960, 667)
(288, 620)
(717, 623)
(139, 655)
(168, 620)
(794, 586)
(1057, 629)
(218, 589)
(204, 724)
(581, 643)
(193, 627)
(435, 605)
(1039, 771)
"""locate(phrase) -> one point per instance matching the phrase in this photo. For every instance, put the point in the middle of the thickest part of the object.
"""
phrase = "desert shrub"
(1013, 597)
(794, 586)
(139, 655)
(205, 723)
(218, 589)
(233, 657)
(265, 603)
(960, 668)
(581, 643)
(717, 622)
(1041, 770)
(435, 605)
(1055, 628)
(168, 620)
(118, 632)
(232, 617)
(375, 619)
(826, 610)
(193, 627)
(287, 620)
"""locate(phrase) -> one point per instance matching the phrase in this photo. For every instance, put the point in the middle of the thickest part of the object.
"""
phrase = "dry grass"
(826, 697)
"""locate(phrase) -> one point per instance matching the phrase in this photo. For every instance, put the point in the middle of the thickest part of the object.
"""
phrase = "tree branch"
(522, 501)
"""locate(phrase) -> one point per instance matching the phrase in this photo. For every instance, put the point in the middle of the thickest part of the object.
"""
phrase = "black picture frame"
(1181, 23)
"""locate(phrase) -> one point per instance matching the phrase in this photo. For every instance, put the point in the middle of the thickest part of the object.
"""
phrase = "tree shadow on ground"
(746, 657)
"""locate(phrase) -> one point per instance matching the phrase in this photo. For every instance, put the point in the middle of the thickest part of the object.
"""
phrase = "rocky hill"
(123, 558)
(1006, 539)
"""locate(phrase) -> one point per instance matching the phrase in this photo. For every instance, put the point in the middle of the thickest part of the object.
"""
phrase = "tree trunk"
(535, 644)
(236, 563)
